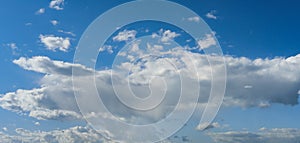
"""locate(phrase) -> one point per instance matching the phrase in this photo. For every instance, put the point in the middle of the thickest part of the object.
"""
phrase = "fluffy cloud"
(56, 4)
(206, 126)
(272, 80)
(45, 102)
(74, 134)
(211, 15)
(125, 35)
(165, 35)
(276, 135)
(261, 82)
(52, 42)
(207, 41)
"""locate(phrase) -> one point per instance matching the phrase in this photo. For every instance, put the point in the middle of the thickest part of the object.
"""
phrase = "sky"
(244, 53)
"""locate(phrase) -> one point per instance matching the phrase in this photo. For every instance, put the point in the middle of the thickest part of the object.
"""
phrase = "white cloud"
(275, 135)
(40, 11)
(28, 24)
(45, 102)
(194, 19)
(13, 46)
(165, 36)
(206, 126)
(67, 32)
(74, 134)
(4, 129)
(52, 42)
(54, 22)
(211, 14)
(57, 4)
(37, 123)
(107, 48)
(125, 35)
(248, 86)
(168, 35)
(207, 41)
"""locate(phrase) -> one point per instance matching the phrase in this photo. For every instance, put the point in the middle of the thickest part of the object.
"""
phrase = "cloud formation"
(40, 11)
(53, 42)
(211, 15)
(125, 35)
(272, 81)
(56, 4)
(74, 134)
(207, 41)
(165, 35)
(275, 135)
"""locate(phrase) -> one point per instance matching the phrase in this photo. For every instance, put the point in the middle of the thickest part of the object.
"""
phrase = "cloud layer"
(275, 135)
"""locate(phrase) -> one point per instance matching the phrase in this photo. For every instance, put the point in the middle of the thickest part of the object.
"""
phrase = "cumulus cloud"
(56, 4)
(53, 42)
(45, 102)
(206, 126)
(274, 80)
(211, 14)
(207, 41)
(125, 35)
(275, 135)
(107, 48)
(74, 134)
(165, 35)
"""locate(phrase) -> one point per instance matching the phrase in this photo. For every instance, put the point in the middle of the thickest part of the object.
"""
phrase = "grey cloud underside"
(276, 135)
(268, 81)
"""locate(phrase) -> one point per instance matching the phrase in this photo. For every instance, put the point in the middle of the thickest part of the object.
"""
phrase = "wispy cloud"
(275, 135)
(40, 11)
(54, 22)
(194, 19)
(212, 14)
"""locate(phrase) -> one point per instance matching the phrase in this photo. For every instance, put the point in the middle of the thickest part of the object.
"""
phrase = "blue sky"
(259, 40)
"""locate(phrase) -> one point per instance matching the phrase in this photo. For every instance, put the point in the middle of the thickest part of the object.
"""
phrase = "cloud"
(274, 80)
(52, 42)
(107, 48)
(56, 4)
(275, 135)
(211, 15)
(67, 32)
(206, 126)
(207, 41)
(54, 22)
(261, 82)
(13, 46)
(194, 19)
(165, 36)
(73, 134)
(45, 103)
(36, 104)
(4, 129)
(125, 35)
(37, 123)
(40, 11)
